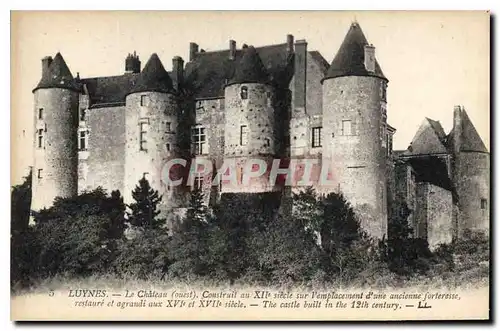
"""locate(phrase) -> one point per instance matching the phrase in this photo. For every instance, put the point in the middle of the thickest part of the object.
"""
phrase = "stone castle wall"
(55, 163)
(358, 159)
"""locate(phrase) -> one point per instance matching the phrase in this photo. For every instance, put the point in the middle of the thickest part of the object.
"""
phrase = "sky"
(433, 60)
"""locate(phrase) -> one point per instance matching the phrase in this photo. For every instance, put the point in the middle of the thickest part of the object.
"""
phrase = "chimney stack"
(46, 61)
(457, 127)
(289, 43)
(232, 49)
(300, 75)
(370, 58)
(132, 64)
(178, 71)
(193, 49)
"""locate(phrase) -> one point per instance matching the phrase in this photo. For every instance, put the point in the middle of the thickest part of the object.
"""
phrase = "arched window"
(244, 92)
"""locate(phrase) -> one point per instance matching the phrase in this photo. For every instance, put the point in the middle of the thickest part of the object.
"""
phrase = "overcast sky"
(433, 60)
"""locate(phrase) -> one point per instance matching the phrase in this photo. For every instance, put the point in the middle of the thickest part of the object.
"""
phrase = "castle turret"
(250, 129)
(152, 131)
(55, 167)
(354, 130)
(471, 175)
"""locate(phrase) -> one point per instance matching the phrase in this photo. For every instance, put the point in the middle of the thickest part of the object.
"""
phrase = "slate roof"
(57, 75)
(206, 76)
(209, 72)
(350, 58)
(110, 90)
(153, 78)
(429, 139)
(250, 69)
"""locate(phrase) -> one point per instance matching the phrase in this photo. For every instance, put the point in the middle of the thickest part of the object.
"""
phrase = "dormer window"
(244, 93)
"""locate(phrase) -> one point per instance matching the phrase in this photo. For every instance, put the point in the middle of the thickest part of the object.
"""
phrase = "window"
(244, 92)
(267, 142)
(389, 144)
(82, 114)
(383, 92)
(484, 204)
(144, 99)
(168, 147)
(40, 113)
(168, 127)
(39, 174)
(243, 135)
(198, 182)
(82, 141)
(346, 127)
(142, 137)
(316, 137)
(40, 138)
(199, 140)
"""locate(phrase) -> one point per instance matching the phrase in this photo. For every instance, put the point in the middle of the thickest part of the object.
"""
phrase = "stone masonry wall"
(162, 144)
(257, 114)
(103, 163)
(473, 186)
(358, 160)
(57, 160)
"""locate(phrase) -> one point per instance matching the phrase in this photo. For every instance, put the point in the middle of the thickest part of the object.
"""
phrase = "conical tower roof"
(57, 74)
(350, 58)
(250, 69)
(153, 78)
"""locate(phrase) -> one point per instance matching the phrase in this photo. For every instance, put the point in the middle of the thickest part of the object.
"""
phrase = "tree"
(405, 254)
(339, 227)
(78, 235)
(20, 205)
(144, 213)
(286, 251)
(189, 245)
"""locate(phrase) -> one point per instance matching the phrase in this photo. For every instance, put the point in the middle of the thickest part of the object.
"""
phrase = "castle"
(277, 101)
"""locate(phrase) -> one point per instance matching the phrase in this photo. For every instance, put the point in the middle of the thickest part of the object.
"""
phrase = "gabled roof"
(320, 60)
(350, 58)
(250, 69)
(57, 75)
(153, 78)
(209, 72)
(109, 90)
(429, 139)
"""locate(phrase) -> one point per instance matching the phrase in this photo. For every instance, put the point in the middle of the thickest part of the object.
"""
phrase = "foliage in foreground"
(244, 239)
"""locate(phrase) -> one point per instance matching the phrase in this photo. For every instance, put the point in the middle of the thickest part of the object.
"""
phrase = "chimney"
(46, 61)
(457, 128)
(232, 49)
(132, 64)
(289, 43)
(193, 49)
(300, 74)
(370, 58)
(178, 71)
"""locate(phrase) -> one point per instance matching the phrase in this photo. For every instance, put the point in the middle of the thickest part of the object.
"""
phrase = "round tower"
(151, 132)
(471, 175)
(354, 130)
(250, 127)
(55, 164)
